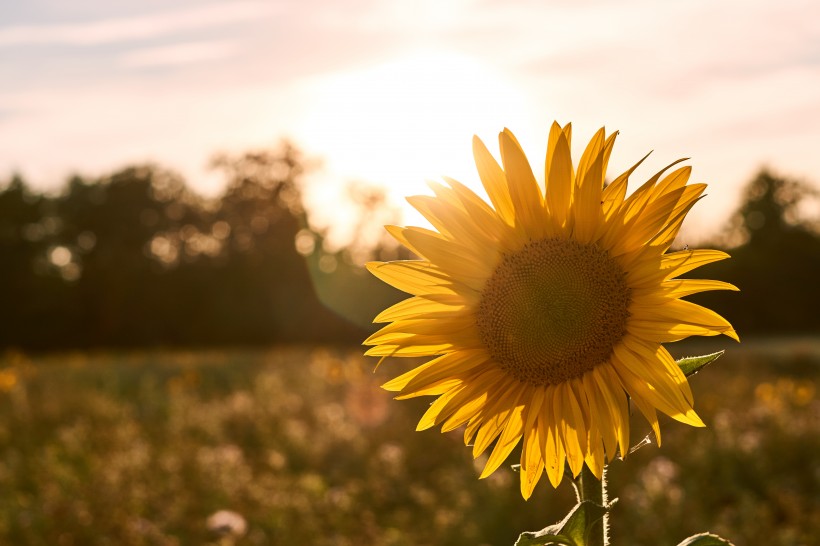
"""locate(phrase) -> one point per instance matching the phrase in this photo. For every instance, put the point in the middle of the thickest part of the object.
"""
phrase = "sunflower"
(546, 313)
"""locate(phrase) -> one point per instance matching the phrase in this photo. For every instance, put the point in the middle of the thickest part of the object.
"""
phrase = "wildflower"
(227, 523)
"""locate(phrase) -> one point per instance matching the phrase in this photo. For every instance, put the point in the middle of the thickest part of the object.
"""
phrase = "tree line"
(136, 258)
(774, 241)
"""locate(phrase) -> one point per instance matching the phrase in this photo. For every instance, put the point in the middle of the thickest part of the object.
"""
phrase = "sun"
(374, 123)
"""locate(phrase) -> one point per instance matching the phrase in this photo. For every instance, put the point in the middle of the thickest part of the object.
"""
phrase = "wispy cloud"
(180, 54)
(108, 31)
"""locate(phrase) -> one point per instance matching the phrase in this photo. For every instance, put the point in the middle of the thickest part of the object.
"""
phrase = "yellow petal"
(456, 225)
(419, 307)
(679, 288)
(591, 153)
(457, 365)
(434, 389)
(398, 383)
(594, 457)
(613, 195)
(397, 232)
(665, 237)
(494, 181)
(587, 203)
(509, 438)
(606, 153)
(471, 429)
(640, 390)
(683, 316)
(532, 465)
(485, 218)
(465, 410)
(412, 350)
(653, 218)
(649, 414)
(453, 258)
(568, 133)
(430, 417)
(572, 428)
(496, 417)
(552, 141)
(560, 181)
(599, 414)
(667, 395)
(634, 205)
(678, 263)
(675, 179)
(479, 386)
(616, 403)
(554, 453)
(420, 327)
(653, 271)
(524, 192)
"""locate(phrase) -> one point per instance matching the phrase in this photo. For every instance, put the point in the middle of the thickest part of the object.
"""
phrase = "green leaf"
(692, 364)
(578, 523)
(705, 539)
(572, 531)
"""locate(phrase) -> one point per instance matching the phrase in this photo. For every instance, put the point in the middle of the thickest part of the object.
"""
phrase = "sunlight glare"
(400, 123)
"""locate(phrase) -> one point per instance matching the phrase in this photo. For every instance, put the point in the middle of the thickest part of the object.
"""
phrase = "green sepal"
(705, 539)
(572, 531)
(692, 364)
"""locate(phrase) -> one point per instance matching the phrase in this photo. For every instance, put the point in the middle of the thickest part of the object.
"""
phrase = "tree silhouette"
(266, 286)
(24, 234)
(134, 258)
(777, 265)
(770, 212)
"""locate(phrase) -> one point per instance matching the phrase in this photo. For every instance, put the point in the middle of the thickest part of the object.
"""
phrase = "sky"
(390, 92)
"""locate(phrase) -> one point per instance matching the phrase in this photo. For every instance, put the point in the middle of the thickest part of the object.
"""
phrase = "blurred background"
(189, 191)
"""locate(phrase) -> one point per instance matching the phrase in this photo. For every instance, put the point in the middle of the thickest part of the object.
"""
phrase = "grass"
(141, 448)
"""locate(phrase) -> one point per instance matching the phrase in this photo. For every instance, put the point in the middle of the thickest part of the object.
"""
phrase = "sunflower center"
(553, 310)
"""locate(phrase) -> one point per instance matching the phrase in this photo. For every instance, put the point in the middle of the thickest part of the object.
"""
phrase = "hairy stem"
(592, 489)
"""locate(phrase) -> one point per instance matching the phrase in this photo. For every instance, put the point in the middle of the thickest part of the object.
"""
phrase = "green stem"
(592, 489)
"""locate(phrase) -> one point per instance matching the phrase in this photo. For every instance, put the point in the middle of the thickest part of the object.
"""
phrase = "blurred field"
(141, 448)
